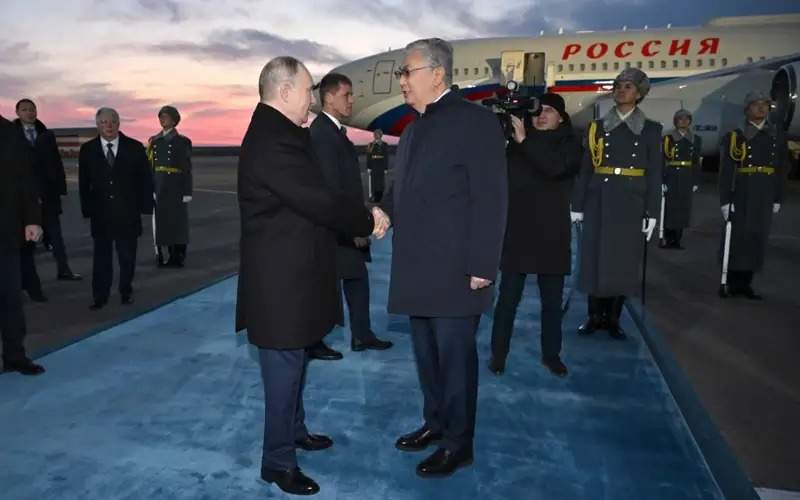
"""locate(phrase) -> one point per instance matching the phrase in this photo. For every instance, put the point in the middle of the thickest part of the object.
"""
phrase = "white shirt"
(437, 99)
(165, 132)
(334, 120)
(759, 126)
(114, 145)
(626, 115)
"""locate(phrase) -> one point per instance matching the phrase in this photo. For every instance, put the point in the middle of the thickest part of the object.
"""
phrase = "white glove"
(648, 226)
(727, 210)
(154, 196)
(664, 188)
(187, 199)
(776, 207)
(695, 188)
(576, 217)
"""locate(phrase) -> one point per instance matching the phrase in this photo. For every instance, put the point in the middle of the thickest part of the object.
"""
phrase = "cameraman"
(543, 159)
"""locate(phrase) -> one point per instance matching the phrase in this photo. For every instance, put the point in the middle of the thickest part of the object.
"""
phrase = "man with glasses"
(448, 206)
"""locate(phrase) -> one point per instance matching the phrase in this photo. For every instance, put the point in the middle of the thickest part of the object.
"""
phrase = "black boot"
(614, 330)
(594, 321)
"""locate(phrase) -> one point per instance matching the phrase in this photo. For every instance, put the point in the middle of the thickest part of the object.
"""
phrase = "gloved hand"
(664, 188)
(576, 217)
(187, 199)
(776, 207)
(727, 210)
(648, 226)
(695, 188)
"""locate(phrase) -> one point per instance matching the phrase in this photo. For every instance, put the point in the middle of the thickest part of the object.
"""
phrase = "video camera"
(513, 101)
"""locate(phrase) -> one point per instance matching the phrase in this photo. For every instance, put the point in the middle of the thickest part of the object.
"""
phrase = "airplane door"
(382, 77)
(512, 65)
(534, 68)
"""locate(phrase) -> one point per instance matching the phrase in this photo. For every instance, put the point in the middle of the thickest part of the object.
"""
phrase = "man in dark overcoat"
(48, 171)
(339, 161)
(287, 296)
(617, 198)
(171, 157)
(377, 165)
(116, 188)
(543, 157)
(20, 221)
(752, 185)
(448, 205)
(682, 177)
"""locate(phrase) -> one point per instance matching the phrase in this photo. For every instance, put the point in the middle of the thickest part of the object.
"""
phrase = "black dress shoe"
(70, 276)
(126, 300)
(592, 324)
(374, 343)
(556, 366)
(24, 366)
(292, 481)
(314, 442)
(323, 352)
(749, 293)
(418, 440)
(98, 304)
(444, 462)
(37, 297)
(497, 365)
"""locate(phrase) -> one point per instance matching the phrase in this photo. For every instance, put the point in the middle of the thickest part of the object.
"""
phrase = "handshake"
(382, 222)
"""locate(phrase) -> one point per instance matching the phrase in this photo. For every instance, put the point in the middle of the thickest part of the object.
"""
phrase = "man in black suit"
(20, 220)
(52, 184)
(448, 205)
(287, 295)
(116, 188)
(339, 161)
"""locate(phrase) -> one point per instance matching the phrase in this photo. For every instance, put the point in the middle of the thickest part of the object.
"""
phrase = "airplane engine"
(785, 94)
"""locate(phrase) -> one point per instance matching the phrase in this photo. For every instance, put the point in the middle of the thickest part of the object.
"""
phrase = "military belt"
(679, 163)
(169, 170)
(756, 170)
(630, 172)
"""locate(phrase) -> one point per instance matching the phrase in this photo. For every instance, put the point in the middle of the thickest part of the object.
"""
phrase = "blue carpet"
(170, 405)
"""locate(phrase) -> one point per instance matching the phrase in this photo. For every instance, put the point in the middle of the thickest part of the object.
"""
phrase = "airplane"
(707, 70)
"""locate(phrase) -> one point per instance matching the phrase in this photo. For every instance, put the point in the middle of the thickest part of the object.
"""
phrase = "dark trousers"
(27, 261)
(283, 373)
(12, 318)
(356, 293)
(447, 365)
(103, 266)
(551, 288)
(740, 280)
(51, 225)
(673, 236)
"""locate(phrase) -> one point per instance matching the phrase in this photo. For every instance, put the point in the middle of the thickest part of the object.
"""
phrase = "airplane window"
(476, 72)
(749, 59)
(572, 67)
(627, 64)
(466, 71)
(687, 63)
(712, 62)
(674, 63)
(724, 61)
(663, 64)
(455, 71)
(605, 66)
(486, 70)
(762, 58)
(594, 66)
(560, 68)
(583, 67)
(699, 62)
(616, 65)
(639, 64)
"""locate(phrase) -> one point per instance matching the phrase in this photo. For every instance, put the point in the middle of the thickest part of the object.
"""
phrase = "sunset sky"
(204, 56)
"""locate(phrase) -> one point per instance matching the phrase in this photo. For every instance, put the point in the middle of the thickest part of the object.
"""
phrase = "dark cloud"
(236, 45)
(12, 86)
(174, 12)
(96, 95)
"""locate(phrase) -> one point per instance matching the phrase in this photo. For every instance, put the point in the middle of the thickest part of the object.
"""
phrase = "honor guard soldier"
(616, 199)
(752, 181)
(681, 178)
(377, 164)
(170, 155)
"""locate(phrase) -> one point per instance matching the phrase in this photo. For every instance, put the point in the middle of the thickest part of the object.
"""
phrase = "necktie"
(110, 154)
(31, 135)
